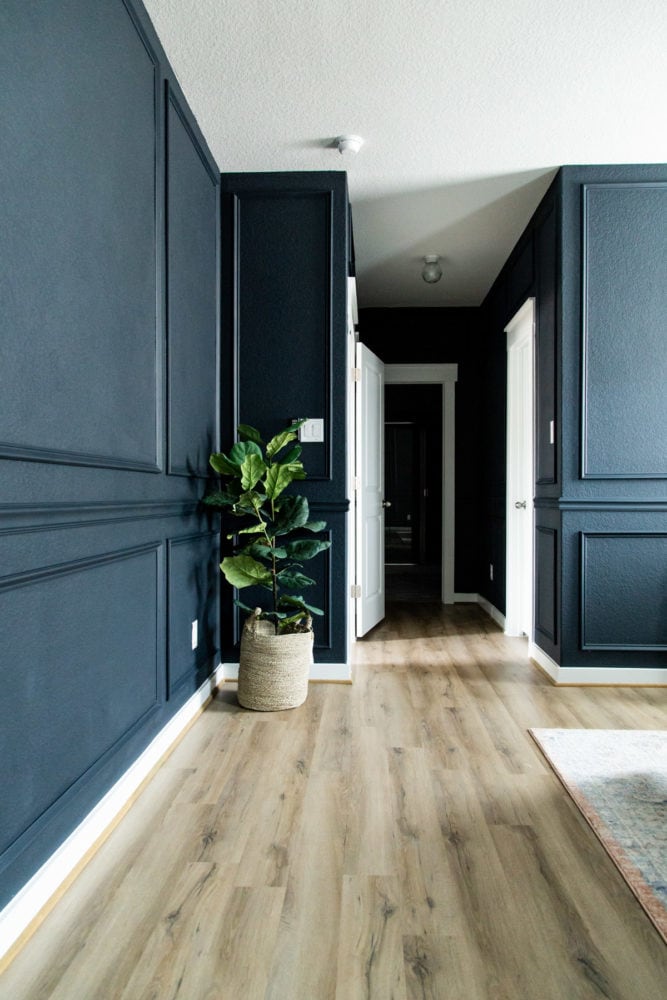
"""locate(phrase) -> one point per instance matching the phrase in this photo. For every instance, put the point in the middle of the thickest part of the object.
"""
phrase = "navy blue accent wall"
(285, 265)
(109, 289)
(443, 336)
(598, 248)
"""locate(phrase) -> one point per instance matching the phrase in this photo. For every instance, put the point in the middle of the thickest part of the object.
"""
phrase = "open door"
(520, 481)
(369, 492)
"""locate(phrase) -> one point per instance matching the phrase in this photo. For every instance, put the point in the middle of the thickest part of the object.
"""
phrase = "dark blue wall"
(286, 257)
(443, 336)
(109, 287)
(595, 257)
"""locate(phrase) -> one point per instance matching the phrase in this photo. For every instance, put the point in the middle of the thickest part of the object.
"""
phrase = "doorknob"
(386, 503)
(520, 504)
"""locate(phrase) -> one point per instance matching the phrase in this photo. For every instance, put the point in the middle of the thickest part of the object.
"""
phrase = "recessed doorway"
(413, 491)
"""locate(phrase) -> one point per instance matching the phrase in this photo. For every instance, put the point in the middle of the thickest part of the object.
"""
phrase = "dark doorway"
(413, 487)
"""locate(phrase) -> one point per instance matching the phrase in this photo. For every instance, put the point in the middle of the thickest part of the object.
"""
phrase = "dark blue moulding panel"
(87, 606)
(78, 211)
(285, 288)
(80, 668)
(194, 577)
(624, 335)
(193, 282)
(615, 569)
(285, 265)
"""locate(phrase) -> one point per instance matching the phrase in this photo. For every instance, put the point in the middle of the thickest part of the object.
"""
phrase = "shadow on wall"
(480, 222)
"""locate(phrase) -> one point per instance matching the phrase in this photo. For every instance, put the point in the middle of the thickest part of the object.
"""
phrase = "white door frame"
(519, 566)
(446, 376)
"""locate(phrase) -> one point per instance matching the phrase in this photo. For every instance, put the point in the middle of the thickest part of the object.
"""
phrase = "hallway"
(398, 838)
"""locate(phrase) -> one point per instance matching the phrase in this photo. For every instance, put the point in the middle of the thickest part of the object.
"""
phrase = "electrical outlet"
(490, 571)
(195, 633)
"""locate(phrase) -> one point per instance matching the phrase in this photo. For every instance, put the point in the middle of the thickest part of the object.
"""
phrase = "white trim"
(446, 376)
(626, 676)
(36, 893)
(498, 616)
(519, 563)
(318, 672)
(466, 598)
(543, 660)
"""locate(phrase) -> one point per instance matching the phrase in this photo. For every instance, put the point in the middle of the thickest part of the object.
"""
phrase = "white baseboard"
(334, 672)
(544, 661)
(620, 676)
(498, 616)
(25, 907)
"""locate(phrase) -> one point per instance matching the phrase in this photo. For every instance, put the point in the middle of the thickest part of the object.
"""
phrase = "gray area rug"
(618, 779)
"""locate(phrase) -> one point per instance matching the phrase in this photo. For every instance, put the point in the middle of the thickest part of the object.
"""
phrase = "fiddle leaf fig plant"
(276, 536)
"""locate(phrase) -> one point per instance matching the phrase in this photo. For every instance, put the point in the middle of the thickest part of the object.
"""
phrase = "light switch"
(312, 431)
(195, 634)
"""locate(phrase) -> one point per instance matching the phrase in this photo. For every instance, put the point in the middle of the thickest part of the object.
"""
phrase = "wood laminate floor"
(398, 838)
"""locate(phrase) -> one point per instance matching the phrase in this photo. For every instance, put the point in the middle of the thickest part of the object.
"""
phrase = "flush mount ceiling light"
(349, 144)
(431, 271)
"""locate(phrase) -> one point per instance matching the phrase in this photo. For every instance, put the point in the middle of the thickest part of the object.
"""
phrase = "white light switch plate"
(195, 634)
(312, 431)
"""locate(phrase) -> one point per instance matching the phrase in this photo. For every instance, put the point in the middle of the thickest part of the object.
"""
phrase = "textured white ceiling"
(467, 108)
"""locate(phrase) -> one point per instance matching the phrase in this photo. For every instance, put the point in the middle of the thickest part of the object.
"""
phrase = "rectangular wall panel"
(80, 374)
(623, 587)
(624, 353)
(192, 298)
(546, 594)
(545, 361)
(284, 286)
(194, 573)
(79, 669)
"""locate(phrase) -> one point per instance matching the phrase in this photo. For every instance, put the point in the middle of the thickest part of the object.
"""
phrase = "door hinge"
(355, 590)
(355, 483)
(356, 374)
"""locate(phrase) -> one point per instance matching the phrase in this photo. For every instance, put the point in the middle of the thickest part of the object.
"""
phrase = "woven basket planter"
(273, 669)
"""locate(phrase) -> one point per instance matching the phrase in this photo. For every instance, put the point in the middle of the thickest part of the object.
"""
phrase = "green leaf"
(254, 529)
(298, 602)
(248, 433)
(277, 478)
(292, 513)
(244, 571)
(252, 470)
(304, 548)
(278, 442)
(240, 451)
(264, 551)
(299, 616)
(249, 503)
(293, 579)
(293, 454)
(220, 498)
(315, 525)
(222, 465)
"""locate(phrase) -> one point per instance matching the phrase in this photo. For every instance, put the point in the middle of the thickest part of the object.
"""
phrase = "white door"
(520, 481)
(369, 511)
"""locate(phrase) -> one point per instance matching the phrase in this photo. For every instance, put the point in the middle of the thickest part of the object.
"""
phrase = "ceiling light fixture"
(431, 272)
(349, 143)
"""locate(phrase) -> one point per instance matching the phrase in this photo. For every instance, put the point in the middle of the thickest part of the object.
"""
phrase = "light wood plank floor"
(401, 838)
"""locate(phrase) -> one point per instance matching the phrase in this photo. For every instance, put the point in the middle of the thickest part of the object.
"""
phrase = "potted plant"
(273, 542)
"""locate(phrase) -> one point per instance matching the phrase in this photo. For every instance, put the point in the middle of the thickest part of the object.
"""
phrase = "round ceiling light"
(431, 272)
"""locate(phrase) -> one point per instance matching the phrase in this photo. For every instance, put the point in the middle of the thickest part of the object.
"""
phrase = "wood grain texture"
(399, 839)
